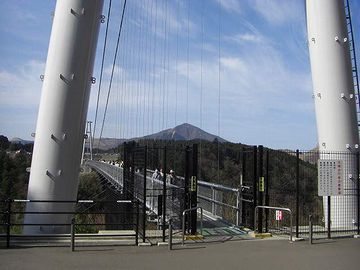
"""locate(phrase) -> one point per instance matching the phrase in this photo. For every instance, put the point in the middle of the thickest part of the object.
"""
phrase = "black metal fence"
(89, 218)
(151, 175)
(290, 179)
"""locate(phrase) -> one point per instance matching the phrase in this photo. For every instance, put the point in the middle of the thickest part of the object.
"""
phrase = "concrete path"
(240, 254)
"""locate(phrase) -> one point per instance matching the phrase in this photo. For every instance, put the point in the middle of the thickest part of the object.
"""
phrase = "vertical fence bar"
(297, 193)
(267, 179)
(170, 234)
(260, 187)
(243, 220)
(358, 191)
(8, 223)
(255, 180)
(186, 186)
(213, 201)
(164, 196)
(137, 222)
(193, 189)
(238, 207)
(72, 231)
(329, 217)
(144, 194)
(310, 230)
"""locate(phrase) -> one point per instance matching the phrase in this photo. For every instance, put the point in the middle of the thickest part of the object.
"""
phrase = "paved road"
(241, 254)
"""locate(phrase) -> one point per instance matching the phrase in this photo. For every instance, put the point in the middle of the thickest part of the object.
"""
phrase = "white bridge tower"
(62, 114)
(335, 101)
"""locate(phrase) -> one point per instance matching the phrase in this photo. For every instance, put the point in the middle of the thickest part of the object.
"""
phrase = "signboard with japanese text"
(330, 177)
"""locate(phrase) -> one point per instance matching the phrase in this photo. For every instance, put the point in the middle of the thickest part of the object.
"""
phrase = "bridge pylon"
(62, 114)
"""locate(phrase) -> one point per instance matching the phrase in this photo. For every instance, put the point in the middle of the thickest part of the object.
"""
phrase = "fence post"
(243, 220)
(193, 189)
(170, 234)
(213, 199)
(358, 191)
(329, 217)
(144, 194)
(137, 222)
(297, 193)
(238, 207)
(255, 181)
(267, 180)
(186, 186)
(72, 230)
(164, 196)
(8, 222)
(261, 186)
(310, 230)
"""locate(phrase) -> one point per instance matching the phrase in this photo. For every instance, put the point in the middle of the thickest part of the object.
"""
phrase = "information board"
(330, 177)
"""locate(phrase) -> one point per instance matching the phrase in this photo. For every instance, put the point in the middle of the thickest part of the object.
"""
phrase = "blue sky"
(169, 66)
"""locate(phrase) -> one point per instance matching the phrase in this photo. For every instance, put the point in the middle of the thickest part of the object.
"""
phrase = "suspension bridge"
(149, 88)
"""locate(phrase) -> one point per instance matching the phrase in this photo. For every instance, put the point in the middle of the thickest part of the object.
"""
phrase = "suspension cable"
(187, 66)
(102, 66)
(112, 72)
(219, 92)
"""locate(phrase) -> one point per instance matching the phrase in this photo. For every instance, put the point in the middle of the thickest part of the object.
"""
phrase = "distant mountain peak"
(184, 132)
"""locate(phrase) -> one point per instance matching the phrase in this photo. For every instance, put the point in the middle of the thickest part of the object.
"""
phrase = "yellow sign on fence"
(261, 184)
(193, 184)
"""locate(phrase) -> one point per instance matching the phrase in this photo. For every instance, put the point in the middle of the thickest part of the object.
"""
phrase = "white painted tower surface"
(334, 98)
(62, 113)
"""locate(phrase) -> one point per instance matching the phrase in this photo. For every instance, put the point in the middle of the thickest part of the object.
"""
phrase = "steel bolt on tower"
(62, 114)
(334, 98)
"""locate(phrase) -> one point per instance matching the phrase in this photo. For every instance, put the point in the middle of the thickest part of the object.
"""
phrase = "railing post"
(72, 230)
(144, 194)
(137, 223)
(267, 183)
(310, 230)
(297, 193)
(170, 234)
(255, 187)
(193, 188)
(8, 222)
(213, 198)
(186, 186)
(164, 196)
(238, 207)
(358, 190)
(329, 217)
(261, 186)
(244, 178)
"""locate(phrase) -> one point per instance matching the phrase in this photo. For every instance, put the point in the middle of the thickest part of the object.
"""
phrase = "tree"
(4, 143)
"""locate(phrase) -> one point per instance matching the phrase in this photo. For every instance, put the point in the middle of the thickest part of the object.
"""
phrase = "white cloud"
(246, 37)
(230, 5)
(20, 85)
(278, 11)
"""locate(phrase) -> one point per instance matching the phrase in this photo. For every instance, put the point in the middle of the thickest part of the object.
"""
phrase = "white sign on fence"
(330, 177)
(278, 215)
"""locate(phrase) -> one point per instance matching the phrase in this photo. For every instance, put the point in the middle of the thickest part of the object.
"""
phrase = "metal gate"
(153, 176)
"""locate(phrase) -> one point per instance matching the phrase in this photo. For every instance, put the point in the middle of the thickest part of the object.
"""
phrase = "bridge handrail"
(275, 208)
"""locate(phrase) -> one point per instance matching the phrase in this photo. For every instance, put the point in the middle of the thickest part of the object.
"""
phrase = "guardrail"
(207, 192)
(8, 213)
(183, 220)
(275, 208)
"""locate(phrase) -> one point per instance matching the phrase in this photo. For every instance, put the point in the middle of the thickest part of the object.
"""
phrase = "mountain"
(183, 132)
(106, 143)
(20, 141)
